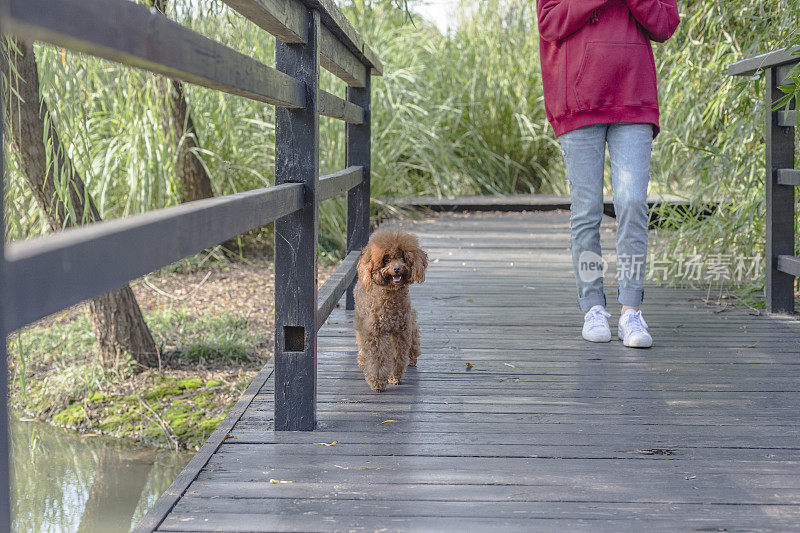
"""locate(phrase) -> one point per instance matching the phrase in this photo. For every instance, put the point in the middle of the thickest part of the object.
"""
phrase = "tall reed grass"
(452, 115)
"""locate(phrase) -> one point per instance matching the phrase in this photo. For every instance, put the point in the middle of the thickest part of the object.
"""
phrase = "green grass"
(55, 375)
(223, 336)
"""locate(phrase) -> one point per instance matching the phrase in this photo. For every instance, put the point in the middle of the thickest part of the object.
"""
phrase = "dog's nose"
(396, 270)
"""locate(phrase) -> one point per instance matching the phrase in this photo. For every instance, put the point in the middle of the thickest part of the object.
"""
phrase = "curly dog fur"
(385, 323)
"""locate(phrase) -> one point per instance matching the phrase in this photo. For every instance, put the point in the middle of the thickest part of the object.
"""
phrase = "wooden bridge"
(511, 420)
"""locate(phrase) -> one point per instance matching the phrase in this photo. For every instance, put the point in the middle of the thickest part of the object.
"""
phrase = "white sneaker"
(595, 325)
(632, 330)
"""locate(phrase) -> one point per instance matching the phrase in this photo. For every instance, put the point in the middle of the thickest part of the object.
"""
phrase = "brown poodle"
(386, 324)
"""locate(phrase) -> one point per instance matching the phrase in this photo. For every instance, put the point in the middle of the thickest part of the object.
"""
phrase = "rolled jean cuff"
(590, 300)
(630, 297)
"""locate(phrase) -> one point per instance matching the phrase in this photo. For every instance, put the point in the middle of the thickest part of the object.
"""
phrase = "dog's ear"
(417, 261)
(364, 267)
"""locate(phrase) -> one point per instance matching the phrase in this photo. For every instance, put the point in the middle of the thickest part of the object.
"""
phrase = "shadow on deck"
(544, 431)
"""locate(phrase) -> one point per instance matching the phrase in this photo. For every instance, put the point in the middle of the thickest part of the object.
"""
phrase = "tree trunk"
(178, 124)
(116, 318)
(195, 184)
(119, 479)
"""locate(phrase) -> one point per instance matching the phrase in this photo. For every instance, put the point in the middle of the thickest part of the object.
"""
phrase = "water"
(63, 481)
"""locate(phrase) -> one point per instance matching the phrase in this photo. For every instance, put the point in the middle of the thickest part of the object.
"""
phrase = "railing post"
(358, 153)
(297, 160)
(779, 286)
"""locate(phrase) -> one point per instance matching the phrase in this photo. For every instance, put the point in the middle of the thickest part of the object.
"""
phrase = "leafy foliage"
(712, 141)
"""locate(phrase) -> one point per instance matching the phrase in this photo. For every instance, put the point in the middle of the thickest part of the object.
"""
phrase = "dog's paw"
(395, 381)
(412, 363)
(377, 386)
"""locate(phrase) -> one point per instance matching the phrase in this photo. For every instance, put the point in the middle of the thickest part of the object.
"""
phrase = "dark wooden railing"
(45, 275)
(782, 266)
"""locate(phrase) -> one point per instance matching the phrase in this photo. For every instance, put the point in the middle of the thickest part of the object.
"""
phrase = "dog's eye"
(385, 259)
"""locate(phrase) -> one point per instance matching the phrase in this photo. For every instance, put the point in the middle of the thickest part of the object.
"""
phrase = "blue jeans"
(629, 147)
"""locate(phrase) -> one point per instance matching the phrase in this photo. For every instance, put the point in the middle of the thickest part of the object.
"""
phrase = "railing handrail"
(283, 19)
(130, 247)
(86, 261)
(775, 58)
(71, 24)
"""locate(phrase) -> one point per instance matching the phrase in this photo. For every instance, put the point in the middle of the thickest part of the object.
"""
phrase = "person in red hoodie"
(599, 81)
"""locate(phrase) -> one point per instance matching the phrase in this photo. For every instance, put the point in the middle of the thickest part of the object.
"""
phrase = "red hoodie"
(597, 63)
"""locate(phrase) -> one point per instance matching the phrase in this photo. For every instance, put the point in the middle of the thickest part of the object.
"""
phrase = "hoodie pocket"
(616, 75)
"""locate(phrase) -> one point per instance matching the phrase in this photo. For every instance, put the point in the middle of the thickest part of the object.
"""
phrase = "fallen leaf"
(91, 434)
(469, 299)
(509, 364)
(334, 443)
(387, 422)
(469, 365)
(354, 467)
(279, 481)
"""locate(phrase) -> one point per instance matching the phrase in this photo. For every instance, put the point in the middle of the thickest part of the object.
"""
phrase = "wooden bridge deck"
(545, 431)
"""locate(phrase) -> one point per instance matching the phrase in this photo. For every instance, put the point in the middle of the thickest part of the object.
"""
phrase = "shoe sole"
(624, 343)
(598, 340)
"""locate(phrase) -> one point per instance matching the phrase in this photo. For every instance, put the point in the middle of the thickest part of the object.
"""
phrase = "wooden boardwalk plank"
(545, 431)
